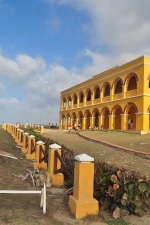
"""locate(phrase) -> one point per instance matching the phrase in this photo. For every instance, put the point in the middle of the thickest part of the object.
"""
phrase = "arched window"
(118, 88)
(81, 97)
(88, 97)
(107, 91)
(132, 84)
(64, 104)
(69, 101)
(97, 93)
(75, 99)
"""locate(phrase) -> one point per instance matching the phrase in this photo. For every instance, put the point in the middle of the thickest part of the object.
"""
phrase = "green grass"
(117, 222)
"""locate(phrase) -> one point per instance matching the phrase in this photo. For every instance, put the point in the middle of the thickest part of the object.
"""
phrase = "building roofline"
(115, 67)
(106, 71)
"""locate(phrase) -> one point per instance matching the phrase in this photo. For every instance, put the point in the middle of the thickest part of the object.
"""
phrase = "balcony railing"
(81, 104)
(63, 108)
(74, 106)
(117, 96)
(131, 93)
(88, 103)
(106, 99)
(95, 101)
(69, 107)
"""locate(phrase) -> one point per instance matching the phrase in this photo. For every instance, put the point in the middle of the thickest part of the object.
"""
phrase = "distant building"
(110, 99)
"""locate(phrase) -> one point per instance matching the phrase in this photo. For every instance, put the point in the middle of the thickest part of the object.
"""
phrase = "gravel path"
(103, 153)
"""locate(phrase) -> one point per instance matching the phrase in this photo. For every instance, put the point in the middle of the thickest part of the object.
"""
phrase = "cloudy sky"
(47, 46)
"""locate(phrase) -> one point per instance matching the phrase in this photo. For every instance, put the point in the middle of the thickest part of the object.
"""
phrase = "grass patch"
(118, 222)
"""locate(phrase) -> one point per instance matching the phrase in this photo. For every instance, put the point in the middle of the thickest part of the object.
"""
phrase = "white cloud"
(41, 85)
(46, 90)
(41, 91)
(2, 88)
(21, 68)
(124, 26)
(101, 62)
(8, 103)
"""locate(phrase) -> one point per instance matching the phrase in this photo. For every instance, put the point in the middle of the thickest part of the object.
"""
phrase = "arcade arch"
(81, 97)
(64, 102)
(96, 115)
(105, 113)
(118, 85)
(131, 110)
(63, 121)
(96, 92)
(106, 88)
(80, 118)
(131, 80)
(69, 100)
(68, 119)
(116, 112)
(73, 118)
(87, 116)
(88, 95)
(75, 99)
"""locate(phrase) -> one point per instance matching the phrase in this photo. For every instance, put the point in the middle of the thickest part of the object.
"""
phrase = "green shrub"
(121, 191)
(118, 187)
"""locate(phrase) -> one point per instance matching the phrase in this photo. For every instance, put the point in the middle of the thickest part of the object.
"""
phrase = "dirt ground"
(103, 153)
(25, 210)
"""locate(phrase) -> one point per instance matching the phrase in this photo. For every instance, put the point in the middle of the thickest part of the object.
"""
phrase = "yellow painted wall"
(139, 98)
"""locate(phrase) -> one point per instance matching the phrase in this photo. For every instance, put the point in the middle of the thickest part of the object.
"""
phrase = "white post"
(44, 199)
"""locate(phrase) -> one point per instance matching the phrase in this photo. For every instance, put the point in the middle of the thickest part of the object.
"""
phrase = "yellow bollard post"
(17, 135)
(7, 127)
(4, 126)
(13, 133)
(20, 140)
(31, 148)
(57, 179)
(25, 142)
(82, 203)
(39, 154)
(10, 128)
(42, 129)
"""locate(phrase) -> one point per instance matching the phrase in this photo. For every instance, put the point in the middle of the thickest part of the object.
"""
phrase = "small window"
(149, 84)
(107, 91)
(89, 96)
(81, 98)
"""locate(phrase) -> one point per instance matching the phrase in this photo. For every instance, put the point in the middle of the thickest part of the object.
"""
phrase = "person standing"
(129, 123)
(69, 127)
(75, 127)
(79, 126)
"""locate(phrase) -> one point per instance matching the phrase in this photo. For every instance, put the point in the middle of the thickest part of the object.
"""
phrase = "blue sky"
(47, 46)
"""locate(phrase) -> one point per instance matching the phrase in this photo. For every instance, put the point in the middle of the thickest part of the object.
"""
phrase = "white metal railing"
(42, 192)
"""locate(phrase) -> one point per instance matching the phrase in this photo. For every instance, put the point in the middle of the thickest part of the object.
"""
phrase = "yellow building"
(111, 99)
